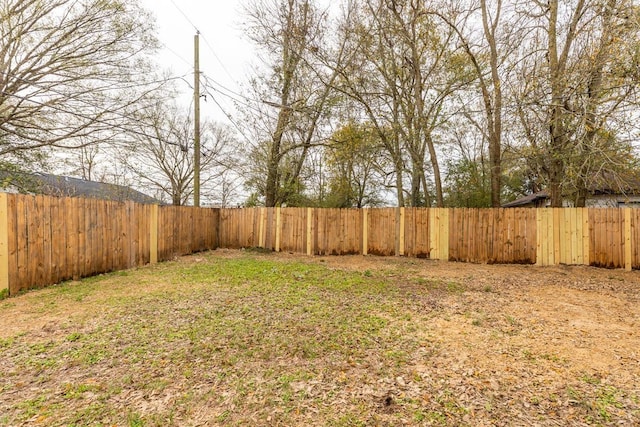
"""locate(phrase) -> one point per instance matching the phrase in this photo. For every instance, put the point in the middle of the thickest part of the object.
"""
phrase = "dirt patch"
(239, 338)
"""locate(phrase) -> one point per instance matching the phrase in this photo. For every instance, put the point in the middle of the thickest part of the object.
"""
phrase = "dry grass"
(242, 338)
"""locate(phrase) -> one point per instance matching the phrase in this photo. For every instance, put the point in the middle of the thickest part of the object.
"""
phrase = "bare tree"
(162, 157)
(402, 73)
(296, 88)
(490, 54)
(584, 81)
(70, 71)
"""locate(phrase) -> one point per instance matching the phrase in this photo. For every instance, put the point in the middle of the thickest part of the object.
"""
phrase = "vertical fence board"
(309, 231)
(635, 236)
(401, 232)
(365, 232)
(36, 240)
(12, 242)
(628, 255)
(5, 230)
(293, 234)
(47, 248)
(22, 244)
(382, 229)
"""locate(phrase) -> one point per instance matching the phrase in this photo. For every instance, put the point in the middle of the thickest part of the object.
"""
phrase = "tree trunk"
(436, 171)
(494, 112)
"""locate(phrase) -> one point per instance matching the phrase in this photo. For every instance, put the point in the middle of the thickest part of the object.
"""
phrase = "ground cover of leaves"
(246, 338)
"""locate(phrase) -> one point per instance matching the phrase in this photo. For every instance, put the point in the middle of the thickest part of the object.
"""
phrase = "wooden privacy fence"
(46, 240)
(550, 236)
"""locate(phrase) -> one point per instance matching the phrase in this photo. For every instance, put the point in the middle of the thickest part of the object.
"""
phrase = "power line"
(224, 67)
(185, 15)
(239, 101)
(177, 55)
(206, 41)
(235, 124)
(229, 90)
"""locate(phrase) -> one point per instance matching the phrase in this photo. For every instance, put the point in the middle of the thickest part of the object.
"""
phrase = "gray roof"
(66, 186)
(527, 200)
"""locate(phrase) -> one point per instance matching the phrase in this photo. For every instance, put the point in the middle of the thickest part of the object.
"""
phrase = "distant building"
(65, 186)
(603, 196)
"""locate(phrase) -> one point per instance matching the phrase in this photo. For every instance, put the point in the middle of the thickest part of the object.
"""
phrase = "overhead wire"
(177, 55)
(230, 90)
(89, 118)
(250, 105)
(222, 64)
(231, 119)
(206, 41)
(184, 15)
(215, 55)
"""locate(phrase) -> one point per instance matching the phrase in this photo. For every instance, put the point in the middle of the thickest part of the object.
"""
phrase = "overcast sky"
(225, 54)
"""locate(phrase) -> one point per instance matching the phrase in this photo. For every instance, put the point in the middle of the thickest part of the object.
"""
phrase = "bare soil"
(486, 345)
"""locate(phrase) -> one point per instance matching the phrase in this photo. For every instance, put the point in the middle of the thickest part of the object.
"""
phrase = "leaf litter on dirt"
(247, 338)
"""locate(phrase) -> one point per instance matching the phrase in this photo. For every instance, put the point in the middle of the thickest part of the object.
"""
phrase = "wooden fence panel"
(382, 231)
(166, 219)
(416, 233)
(326, 235)
(606, 237)
(144, 236)
(210, 220)
(350, 242)
(569, 236)
(54, 239)
(23, 244)
(239, 228)
(293, 230)
(12, 241)
(635, 238)
(506, 236)
(338, 232)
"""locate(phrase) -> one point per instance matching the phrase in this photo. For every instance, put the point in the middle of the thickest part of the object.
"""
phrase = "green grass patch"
(252, 339)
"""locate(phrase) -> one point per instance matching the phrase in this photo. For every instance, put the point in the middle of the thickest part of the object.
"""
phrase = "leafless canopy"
(70, 71)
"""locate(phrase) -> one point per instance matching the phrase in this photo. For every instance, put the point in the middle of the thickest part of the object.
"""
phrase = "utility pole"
(196, 120)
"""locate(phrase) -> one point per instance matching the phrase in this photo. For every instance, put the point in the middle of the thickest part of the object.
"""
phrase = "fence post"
(278, 229)
(439, 233)
(401, 231)
(153, 229)
(628, 250)
(434, 238)
(309, 231)
(4, 244)
(261, 227)
(556, 236)
(365, 231)
(444, 234)
(585, 236)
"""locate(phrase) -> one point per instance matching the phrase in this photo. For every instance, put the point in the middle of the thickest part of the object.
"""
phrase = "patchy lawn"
(244, 338)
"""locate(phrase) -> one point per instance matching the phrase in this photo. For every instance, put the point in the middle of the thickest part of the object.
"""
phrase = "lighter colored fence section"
(563, 236)
(4, 243)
